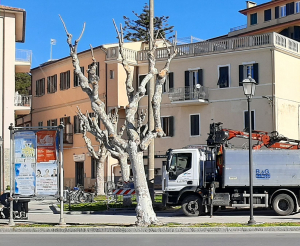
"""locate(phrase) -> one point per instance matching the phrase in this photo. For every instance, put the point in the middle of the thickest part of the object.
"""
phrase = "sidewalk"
(40, 212)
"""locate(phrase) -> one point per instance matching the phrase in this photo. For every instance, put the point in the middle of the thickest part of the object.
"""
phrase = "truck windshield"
(180, 163)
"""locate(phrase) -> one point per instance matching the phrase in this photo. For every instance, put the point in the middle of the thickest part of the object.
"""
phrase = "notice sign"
(46, 151)
(46, 178)
(25, 145)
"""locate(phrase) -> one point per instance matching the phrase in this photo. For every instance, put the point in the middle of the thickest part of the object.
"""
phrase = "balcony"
(23, 61)
(114, 54)
(237, 28)
(190, 95)
(22, 104)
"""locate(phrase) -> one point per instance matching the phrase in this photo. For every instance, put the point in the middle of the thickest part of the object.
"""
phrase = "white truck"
(203, 178)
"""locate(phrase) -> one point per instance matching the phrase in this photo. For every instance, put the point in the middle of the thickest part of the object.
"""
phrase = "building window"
(141, 77)
(111, 74)
(93, 168)
(40, 123)
(245, 70)
(169, 83)
(195, 124)
(97, 70)
(76, 77)
(290, 8)
(52, 84)
(68, 130)
(246, 120)
(52, 122)
(268, 15)
(283, 11)
(253, 19)
(224, 76)
(65, 80)
(40, 87)
(193, 77)
(167, 124)
(297, 7)
(76, 124)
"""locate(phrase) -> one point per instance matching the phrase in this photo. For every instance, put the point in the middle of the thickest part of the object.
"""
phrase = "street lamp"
(249, 89)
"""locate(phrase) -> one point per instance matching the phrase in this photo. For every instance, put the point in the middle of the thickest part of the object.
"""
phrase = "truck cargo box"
(270, 168)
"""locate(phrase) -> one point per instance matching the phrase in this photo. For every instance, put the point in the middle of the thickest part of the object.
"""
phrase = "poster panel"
(46, 178)
(25, 160)
(46, 151)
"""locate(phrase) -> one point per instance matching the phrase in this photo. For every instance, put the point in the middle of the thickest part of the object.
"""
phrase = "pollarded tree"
(138, 30)
(138, 135)
(90, 125)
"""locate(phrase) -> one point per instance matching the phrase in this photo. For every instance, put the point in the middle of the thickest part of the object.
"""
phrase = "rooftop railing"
(238, 28)
(188, 93)
(23, 55)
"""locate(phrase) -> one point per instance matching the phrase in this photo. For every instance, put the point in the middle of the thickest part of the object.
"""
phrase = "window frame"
(93, 168)
(251, 20)
(169, 126)
(64, 80)
(40, 87)
(111, 74)
(139, 82)
(190, 124)
(281, 8)
(166, 86)
(297, 5)
(76, 82)
(266, 12)
(52, 122)
(255, 76)
(229, 76)
(76, 124)
(52, 84)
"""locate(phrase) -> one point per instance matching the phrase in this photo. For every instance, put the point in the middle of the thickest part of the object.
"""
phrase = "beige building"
(12, 60)
(205, 85)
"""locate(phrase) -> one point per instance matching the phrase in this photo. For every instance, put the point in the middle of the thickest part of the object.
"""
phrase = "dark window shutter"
(48, 84)
(48, 122)
(55, 122)
(187, 78)
(75, 79)
(277, 12)
(61, 82)
(255, 72)
(171, 80)
(43, 84)
(55, 83)
(200, 77)
(36, 88)
(268, 14)
(224, 77)
(290, 8)
(297, 33)
(68, 79)
(195, 125)
(171, 126)
(241, 75)
(246, 117)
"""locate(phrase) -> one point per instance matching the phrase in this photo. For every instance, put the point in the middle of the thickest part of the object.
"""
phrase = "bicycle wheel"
(82, 198)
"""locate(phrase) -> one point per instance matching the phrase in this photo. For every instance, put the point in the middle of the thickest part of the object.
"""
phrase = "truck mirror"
(169, 158)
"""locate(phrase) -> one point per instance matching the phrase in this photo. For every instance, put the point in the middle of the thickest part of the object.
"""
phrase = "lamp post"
(249, 89)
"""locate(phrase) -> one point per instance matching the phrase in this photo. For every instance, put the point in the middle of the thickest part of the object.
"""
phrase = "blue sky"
(199, 18)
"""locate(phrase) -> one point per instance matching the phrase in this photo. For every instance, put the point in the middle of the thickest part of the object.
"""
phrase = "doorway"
(79, 173)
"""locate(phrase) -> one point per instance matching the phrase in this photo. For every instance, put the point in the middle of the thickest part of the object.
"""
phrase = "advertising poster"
(46, 151)
(25, 160)
(46, 178)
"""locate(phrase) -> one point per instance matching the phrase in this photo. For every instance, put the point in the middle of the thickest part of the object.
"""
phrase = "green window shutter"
(187, 78)
(241, 75)
(200, 77)
(255, 72)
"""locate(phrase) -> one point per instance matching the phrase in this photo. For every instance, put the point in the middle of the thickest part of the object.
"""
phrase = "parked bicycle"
(77, 195)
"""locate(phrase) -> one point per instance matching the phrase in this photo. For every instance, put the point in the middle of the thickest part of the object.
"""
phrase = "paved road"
(145, 239)
(40, 212)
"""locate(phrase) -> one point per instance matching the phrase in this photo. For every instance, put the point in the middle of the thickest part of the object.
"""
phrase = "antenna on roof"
(52, 42)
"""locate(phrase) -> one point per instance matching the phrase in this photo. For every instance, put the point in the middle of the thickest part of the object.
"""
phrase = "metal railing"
(188, 93)
(23, 55)
(23, 100)
(207, 47)
(238, 28)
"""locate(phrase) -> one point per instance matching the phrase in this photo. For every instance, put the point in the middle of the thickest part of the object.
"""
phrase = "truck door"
(180, 174)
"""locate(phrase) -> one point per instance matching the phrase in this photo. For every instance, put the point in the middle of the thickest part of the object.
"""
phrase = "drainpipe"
(3, 69)
(273, 91)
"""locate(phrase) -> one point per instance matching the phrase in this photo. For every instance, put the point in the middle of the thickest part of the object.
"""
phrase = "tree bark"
(144, 210)
(100, 175)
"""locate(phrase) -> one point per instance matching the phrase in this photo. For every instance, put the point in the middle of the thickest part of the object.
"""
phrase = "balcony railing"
(212, 47)
(188, 93)
(238, 28)
(23, 55)
(22, 100)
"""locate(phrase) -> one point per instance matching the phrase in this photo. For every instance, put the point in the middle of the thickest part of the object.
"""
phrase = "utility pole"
(150, 108)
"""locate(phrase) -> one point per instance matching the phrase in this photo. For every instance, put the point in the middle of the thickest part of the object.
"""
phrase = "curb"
(63, 229)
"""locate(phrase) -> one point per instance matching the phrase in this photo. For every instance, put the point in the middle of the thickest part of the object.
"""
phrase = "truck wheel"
(192, 205)
(283, 204)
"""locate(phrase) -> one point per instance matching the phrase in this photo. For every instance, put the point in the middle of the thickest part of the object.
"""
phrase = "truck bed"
(270, 168)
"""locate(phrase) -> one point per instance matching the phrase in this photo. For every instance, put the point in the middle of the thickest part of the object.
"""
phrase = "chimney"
(250, 4)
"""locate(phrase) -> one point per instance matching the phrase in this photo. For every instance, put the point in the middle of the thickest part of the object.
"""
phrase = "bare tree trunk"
(144, 210)
(100, 176)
